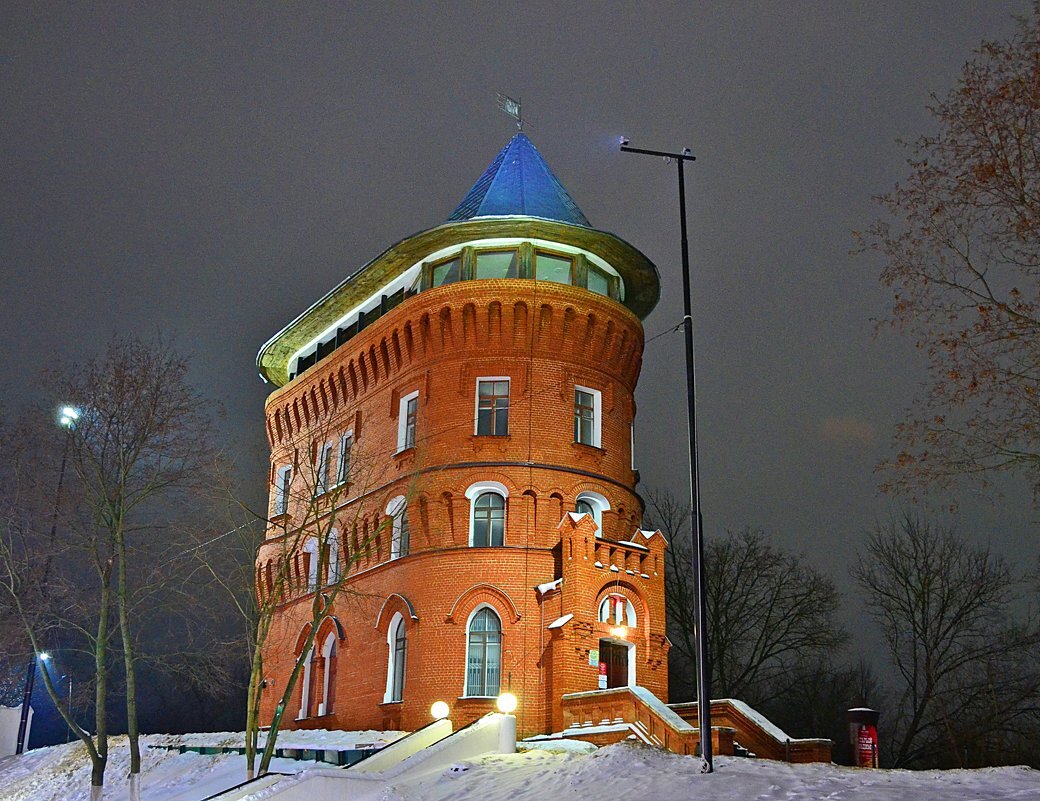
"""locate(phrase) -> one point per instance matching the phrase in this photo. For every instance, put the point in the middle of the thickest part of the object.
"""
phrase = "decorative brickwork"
(435, 523)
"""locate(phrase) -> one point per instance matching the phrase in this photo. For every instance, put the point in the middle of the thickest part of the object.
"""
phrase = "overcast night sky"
(207, 171)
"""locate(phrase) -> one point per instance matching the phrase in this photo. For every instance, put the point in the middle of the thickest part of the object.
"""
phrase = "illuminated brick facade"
(481, 415)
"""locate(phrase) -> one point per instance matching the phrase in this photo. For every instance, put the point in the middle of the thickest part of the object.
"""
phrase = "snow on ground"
(62, 773)
(634, 770)
(563, 770)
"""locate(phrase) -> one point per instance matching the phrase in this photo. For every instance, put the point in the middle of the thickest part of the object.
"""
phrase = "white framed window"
(487, 513)
(283, 482)
(594, 505)
(588, 415)
(310, 550)
(400, 536)
(618, 610)
(483, 653)
(346, 445)
(335, 568)
(305, 693)
(492, 407)
(321, 472)
(328, 689)
(407, 418)
(397, 651)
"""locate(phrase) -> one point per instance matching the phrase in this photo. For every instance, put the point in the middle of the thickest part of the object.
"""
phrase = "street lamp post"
(67, 417)
(697, 558)
(30, 679)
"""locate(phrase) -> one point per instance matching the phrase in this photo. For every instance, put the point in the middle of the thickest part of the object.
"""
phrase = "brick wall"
(546, 338)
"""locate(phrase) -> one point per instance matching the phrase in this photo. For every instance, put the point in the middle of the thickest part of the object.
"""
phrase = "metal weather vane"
(512, 108)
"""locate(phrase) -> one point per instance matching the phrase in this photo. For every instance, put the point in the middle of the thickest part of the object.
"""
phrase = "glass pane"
(502, 419)
(598, 282)
(494, 667)
(447, 272)
(498, 264)
(497, 531)
(346, 443)
(584, 417)
(475, 669)
(411, 412)
(553, 268)
(480, 530)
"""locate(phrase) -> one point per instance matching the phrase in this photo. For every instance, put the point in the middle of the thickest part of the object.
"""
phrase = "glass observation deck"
(522, 261)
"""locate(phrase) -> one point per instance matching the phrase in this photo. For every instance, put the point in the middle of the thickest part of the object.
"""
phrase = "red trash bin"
(863, 736)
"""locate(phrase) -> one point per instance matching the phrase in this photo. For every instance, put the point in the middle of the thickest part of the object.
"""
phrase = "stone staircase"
(608, 716)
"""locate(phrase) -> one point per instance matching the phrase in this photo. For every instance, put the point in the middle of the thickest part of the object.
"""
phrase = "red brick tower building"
(454, 420)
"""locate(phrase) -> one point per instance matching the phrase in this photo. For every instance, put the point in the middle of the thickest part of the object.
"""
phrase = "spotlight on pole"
(44, 656)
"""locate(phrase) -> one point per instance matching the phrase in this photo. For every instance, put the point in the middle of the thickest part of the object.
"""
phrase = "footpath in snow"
(566, 772)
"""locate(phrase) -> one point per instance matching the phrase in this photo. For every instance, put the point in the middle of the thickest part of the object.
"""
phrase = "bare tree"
(44, 603)
(138, 454)
(968, 670)
(310, 545)
(769, 612)
(820, 695)
(960, 246)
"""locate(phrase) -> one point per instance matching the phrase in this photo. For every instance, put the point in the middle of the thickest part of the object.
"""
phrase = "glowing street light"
(68, 416)
(507, 724)
(507, 703)
(30, 679)
(439, 710)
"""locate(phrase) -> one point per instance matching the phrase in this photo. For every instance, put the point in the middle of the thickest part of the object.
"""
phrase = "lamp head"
(507, 703)
(44, 656)
(68, 416)
(622, 141)
(439, 710)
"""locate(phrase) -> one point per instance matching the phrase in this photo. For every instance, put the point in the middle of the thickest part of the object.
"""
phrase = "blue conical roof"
(519, 182)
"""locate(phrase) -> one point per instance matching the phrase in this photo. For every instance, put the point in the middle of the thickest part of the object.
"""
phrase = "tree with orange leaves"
(961, 250)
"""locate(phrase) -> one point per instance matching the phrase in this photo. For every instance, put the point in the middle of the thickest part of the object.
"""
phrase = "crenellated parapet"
(515, 320)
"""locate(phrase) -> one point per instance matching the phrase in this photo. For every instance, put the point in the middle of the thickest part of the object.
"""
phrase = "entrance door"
(616, 657)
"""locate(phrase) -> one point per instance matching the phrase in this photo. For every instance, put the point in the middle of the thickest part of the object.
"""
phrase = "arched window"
(594, 505)
(483, 653)
(397, 648)
(487, 513)
(328, 690)
(305, 693)
(618, 610)
(400, 536)
(310, 550)
(489, 519)
(335, 568)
